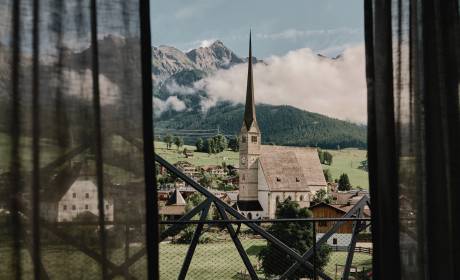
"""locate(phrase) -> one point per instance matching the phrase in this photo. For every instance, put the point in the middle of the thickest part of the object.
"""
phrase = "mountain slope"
(281, 125)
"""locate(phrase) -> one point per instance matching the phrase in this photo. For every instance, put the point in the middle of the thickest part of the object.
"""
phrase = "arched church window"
(277, 199)
(254, 139)
(243, 139)
(301, 198)
(249, 216)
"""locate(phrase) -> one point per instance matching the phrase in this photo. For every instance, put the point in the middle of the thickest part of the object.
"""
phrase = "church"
(270, 174)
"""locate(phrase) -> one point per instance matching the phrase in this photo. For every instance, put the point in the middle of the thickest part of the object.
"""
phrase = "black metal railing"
(214, 255)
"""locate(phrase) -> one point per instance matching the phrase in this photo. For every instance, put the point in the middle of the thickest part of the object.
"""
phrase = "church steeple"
(250, 145)
(250, 109)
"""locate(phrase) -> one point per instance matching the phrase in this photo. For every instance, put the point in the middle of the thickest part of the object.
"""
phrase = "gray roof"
(248, 205)
(291, 168)
(176, 198)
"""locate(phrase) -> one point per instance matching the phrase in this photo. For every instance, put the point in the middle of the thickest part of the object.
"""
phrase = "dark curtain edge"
(151, 201)
(381, 153)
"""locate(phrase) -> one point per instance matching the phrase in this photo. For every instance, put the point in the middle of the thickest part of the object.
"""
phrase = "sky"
(325, 26)
(287, 35)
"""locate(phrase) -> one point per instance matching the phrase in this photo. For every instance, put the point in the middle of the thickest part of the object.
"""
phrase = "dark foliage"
(281, 125)
(296, 235)
(344, 183)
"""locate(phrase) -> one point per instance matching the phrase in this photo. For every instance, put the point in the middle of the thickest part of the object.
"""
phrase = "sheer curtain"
(412, 50)
(75, 140)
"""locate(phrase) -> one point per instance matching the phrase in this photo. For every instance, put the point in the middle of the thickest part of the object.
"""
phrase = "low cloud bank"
(301, 78)
(159, 106)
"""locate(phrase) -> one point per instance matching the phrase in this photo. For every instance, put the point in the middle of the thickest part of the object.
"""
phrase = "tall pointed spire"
(250, 109)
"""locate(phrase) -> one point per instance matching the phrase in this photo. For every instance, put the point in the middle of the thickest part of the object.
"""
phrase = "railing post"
(315, 274)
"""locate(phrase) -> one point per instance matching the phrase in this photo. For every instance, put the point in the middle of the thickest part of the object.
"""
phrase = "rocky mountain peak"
(168, 60)
(216, 56)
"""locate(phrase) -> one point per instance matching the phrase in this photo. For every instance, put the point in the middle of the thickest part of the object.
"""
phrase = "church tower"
(250, 141)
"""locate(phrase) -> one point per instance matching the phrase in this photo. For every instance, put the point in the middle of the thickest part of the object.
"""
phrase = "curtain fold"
(76, 164)
(414, 164)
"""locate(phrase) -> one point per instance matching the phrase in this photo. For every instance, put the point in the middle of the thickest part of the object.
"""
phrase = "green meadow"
(344, 161)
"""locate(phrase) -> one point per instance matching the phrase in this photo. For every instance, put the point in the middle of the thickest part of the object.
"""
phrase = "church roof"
(250, 108)
(248, 205)
(291, 168)
(176, 198)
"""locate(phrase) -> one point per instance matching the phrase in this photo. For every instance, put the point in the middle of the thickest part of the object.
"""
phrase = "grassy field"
(48, 152)
(210, 261)
(174, 155)
(348, 161)
(344, 161)
(360, 261)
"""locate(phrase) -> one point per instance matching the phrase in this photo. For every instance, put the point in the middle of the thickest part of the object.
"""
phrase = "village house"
(348, 197)
(174, 208)
(72, 194)
(216, 170)
(342, 237)
(188, 169)
(270, 174)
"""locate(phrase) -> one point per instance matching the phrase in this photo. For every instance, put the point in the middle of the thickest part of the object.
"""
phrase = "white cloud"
(81, 84)
(172, 102)
(207, 43)
(188, 46)
(302, 79)
(174, 88)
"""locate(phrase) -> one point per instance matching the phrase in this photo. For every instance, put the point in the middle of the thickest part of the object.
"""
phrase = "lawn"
(344, 161)
(49, 151)
(218, 260)
(348, 161)
(211, 261)
(360, 261)
(174, 155)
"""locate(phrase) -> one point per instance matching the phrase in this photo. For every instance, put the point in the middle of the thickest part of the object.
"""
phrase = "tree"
(297, 235)
(221, 143)
(321, 196)
(321, 155)
(207, 180)
(199, 145)
(215, 144)
(327, 175)
(185, 152)
(344, 183)
(234, 144)
(178, 141)
(168, 139)
(327, 158)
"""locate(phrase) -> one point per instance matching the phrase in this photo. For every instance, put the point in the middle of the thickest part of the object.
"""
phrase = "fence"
(215, 256)
(364, 250)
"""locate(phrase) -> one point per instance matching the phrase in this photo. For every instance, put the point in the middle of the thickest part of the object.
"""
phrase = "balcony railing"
(214, 252)
(230, 246)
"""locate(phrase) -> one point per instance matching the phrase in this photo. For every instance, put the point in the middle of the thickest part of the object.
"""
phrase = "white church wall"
(264, 193)
(302, 198)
